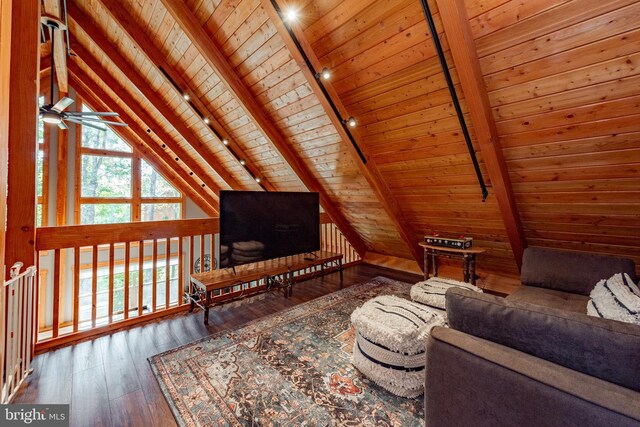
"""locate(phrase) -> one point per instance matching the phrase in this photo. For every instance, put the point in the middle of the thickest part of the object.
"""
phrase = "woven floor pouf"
(431, 292)
(390, 342)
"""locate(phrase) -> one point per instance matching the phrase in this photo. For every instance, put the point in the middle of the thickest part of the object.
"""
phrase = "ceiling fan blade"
(62, 126)
(92, 113)
(85, 124)
(97, 120)
(62, 104)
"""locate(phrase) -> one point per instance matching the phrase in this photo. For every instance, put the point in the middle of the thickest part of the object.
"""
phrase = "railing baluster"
(201, 253)
(180, 272)
(111, 290)
(140, 275)
(167, 273)
(154, 288)
(191, 254)
(56, 292)
(76, 288)
(127, 256)
(94, 286)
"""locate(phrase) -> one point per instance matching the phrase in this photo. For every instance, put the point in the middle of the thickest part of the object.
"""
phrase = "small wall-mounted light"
(186, 96)
(351, 121)
(206, 120)
(325, 74)
(290, 15)
(243, 162)
(225, 141)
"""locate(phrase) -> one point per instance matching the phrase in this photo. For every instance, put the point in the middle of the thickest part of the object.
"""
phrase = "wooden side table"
(468, 257)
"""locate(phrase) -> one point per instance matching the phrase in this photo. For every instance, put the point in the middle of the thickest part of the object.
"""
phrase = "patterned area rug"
(291, 368)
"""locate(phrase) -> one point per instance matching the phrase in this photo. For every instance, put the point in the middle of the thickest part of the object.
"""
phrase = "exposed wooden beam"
(140, 38)
(216, 59)
(142, 113)
(23, 129)
(370, 169)
(465, 57)
(100, 39)
(141, 140)
(52, 8)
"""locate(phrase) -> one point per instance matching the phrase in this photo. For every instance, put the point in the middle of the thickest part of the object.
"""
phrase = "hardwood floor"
(108, 380)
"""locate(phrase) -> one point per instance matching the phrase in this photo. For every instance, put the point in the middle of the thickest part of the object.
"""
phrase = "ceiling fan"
(55, 113)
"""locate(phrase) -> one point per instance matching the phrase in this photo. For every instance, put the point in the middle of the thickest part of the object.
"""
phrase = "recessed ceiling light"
(258, 179)
(242, 162)
(186, 96)
(225, 141)
(206, 120)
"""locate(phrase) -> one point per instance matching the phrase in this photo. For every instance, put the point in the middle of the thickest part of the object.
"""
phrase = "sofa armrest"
(574, 272)
(471, 381)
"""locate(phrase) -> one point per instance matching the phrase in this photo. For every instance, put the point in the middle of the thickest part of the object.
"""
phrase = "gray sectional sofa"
(535, 358)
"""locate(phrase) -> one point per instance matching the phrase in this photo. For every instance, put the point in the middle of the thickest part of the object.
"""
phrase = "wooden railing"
(114, 275)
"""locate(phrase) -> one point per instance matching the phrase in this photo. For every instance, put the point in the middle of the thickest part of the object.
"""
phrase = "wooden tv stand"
(275, 273)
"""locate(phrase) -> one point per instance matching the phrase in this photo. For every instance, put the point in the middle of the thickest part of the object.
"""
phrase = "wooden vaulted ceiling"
(549, 90)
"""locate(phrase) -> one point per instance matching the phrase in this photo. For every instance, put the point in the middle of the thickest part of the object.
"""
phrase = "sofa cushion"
(603, 348)
(550, 298)
(574, 272)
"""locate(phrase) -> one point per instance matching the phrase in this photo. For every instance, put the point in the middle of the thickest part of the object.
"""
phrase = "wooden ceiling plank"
(96, 35)
(370, 169)
(139, 37)
(219, 63)
(52, 8)
(141, 141)
(465, 57)
(144, 116)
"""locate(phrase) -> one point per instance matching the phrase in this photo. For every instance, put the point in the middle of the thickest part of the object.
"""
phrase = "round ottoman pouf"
(390, 342)
(431, 292)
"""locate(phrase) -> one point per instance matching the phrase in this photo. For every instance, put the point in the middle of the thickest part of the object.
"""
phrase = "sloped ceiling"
(561, 78)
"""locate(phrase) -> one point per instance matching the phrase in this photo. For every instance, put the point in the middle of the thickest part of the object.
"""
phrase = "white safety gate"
(17, 333)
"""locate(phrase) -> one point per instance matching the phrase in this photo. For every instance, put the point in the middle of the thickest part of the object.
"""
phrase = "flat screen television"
(258, 225)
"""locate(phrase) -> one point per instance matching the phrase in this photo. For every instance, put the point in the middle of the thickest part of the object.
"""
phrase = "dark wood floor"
(108, 380)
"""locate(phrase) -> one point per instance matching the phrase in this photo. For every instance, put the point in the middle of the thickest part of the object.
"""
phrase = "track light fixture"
(291, 15)
(351, 121)
(325, 74)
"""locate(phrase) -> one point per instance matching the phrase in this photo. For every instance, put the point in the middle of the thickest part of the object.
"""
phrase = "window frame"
(136, 200)
(44, 198)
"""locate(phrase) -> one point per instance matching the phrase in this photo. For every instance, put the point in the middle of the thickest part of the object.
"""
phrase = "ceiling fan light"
(52, 118)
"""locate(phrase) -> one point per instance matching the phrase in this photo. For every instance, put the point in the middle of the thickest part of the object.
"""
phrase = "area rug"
(292, 368)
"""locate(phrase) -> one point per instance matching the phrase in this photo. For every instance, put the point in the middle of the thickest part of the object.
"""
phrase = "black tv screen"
(258, 225)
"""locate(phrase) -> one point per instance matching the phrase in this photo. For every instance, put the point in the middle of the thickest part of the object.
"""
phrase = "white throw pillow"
(616, 298)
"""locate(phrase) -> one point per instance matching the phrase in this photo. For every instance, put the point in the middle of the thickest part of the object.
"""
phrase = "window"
(42, 172)
(107, 168)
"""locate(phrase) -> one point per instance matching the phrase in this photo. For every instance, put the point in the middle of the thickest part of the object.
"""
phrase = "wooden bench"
(275, 273)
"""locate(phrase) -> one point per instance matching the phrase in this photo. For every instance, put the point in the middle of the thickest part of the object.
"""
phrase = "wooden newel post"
(23, 124)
